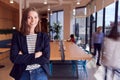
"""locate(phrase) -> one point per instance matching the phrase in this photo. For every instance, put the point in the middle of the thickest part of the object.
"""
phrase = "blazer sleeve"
(15, 48)
(46, 52)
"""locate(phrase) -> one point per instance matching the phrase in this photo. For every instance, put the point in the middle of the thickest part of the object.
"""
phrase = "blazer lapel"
(39, 43)
(24, 42)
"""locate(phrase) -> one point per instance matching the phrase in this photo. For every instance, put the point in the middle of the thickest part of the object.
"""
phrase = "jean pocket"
(40, 70)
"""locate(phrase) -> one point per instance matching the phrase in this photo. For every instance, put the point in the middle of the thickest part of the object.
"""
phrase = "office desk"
(55, 53)
(71, 52)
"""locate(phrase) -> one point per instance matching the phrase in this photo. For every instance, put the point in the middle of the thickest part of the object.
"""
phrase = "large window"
(94, 22)
(88, 29)
(61, 21)
(56, 18)
(53, 18)
(100, 18)
(119, 14)
(80, 24)
(72, 25)
(109, 17)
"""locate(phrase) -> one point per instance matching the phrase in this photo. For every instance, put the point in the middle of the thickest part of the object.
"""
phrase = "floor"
(60, 71)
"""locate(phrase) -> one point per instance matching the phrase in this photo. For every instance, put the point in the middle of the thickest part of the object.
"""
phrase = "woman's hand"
(38, 54)
(20, 53)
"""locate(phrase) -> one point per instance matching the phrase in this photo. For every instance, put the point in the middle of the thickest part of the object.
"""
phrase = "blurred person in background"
(72, 38)
(97, 40)
(111, 54)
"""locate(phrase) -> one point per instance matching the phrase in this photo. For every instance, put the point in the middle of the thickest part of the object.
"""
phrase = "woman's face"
(99, 29)
(32, 19)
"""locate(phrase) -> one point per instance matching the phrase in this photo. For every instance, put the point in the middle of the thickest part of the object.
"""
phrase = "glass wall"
(100, 18)
(53, 18)
(56, 18)
(80, 24)
(94, 22)
(109, 17)
(88, 29)
(61, 22)
(72, 25)
(119, 14)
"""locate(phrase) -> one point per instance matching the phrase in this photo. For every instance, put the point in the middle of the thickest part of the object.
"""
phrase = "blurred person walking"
(97, 40)
(111, 54)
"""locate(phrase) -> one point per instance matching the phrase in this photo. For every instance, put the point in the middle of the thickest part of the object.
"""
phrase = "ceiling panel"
(54, 4)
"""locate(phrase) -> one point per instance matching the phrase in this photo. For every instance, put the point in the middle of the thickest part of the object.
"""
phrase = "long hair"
(114, 34)
(24, 29)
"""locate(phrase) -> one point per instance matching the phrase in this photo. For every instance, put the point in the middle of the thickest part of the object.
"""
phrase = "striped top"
(31, 43)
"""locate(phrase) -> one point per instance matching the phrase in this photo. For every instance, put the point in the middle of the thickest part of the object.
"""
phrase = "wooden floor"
(4, 72)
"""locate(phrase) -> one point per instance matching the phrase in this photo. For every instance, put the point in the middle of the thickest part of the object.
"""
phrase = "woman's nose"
(32, 19)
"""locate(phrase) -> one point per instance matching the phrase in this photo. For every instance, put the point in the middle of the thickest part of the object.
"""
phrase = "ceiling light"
(74, 12)
(78, 3)
(48, 7)
(85, 11)
(45, 1)
(11, 1)
(13, 27)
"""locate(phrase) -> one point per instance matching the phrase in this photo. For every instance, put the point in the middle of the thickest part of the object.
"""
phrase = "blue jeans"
(36, 74)
(97, 47)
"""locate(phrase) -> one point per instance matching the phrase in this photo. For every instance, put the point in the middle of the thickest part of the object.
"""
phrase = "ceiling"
(53, 4)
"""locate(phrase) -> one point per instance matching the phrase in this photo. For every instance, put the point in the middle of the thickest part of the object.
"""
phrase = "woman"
(72, 39)
(30, 49)
(111, 54)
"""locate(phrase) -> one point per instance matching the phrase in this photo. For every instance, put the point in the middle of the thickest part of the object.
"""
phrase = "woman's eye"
(29, 17)
(33, 17)
(36, 17)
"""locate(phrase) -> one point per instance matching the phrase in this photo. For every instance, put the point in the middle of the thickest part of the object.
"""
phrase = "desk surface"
(55, 53)
(72, 52)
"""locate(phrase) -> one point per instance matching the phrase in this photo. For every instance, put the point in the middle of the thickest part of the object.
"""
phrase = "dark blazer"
(19, 43)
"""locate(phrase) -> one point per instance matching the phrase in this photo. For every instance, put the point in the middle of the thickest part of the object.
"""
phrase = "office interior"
(78, 17)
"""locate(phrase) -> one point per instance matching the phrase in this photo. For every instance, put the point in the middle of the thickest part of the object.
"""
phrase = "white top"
(31, 43)
(111, 53)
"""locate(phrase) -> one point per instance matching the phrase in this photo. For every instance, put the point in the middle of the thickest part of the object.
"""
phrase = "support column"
(26, 4)
(20, 12)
